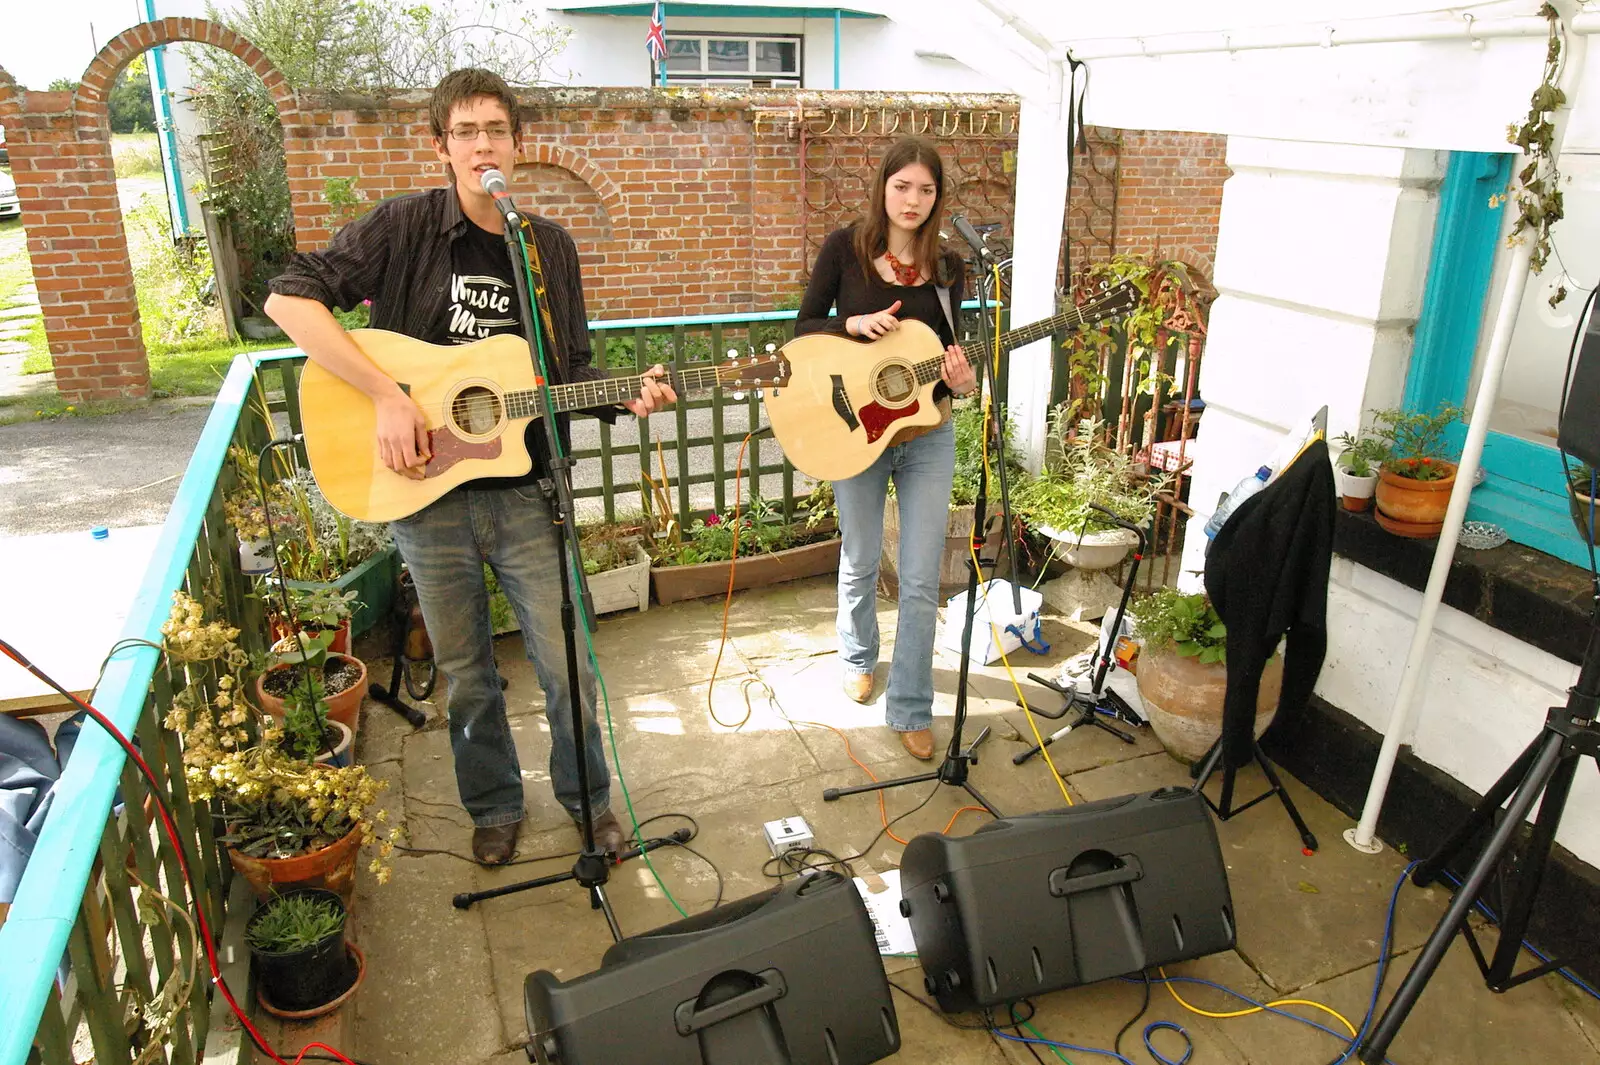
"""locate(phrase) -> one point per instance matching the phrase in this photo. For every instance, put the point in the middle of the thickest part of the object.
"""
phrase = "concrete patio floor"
(445, 986)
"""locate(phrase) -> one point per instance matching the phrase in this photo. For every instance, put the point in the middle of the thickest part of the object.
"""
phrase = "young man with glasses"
(435, 266)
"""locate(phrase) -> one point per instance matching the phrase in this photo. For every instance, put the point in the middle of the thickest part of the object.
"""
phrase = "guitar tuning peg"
(738, 396)
(771, 348)
(733, 353)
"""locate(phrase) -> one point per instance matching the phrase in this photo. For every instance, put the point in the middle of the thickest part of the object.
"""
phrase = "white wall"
(874, 53)
(1325, 236)
(1484, 697)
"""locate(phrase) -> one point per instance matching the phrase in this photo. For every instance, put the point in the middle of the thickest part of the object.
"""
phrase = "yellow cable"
(1257, 1009)
(1005, 659)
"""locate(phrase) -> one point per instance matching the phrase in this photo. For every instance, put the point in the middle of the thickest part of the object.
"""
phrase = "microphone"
(494, 183)
(968, 234)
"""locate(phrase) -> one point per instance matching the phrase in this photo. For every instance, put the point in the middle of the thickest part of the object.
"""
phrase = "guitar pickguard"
(449, 449)
(877, 419)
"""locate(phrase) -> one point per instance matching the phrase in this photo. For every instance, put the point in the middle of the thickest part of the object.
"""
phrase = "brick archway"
(591, 175)
(62, 164)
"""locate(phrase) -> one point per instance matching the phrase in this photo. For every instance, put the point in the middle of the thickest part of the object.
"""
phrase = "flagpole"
(661, 65)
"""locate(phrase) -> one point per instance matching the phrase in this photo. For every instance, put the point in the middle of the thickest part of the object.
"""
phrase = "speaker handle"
(690, 1020)
(1062, 884)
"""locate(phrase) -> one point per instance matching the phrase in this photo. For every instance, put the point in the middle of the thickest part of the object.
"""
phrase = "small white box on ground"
(995, 615)
(788, 834)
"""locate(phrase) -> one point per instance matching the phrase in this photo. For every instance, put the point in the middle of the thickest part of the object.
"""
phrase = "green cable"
(1040, 1035)
(577, 582)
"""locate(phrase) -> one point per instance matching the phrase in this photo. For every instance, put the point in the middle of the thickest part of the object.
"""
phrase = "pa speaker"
(1044, 901)
(1579, 430)
(788, 977)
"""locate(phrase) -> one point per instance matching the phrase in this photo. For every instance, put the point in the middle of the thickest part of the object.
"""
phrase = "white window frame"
(739, 78)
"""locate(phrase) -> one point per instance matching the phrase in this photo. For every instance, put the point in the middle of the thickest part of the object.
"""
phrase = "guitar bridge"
(841, 404)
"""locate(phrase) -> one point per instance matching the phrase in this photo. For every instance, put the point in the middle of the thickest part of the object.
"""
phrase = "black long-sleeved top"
(1267, 575)
(399, 256)
(837, 283)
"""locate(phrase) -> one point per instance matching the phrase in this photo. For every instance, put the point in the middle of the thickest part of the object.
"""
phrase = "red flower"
(713, 519)
(1427, 462)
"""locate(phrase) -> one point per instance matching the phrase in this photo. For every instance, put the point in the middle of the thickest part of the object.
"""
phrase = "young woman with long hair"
(885, 268)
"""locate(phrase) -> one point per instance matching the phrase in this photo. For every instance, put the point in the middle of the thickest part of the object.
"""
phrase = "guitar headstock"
(753, 372)
(1112, 302)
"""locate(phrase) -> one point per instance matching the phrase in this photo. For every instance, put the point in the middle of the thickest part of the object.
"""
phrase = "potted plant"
(615, 565)
(1183, 672)
(341, 678)
(328, 549)
(692, 563)
(1355, 471)
(1581, 500)
(1080, 472)
(320, 608)
(247, 515)
(304, 967)
(308, 731)
(1416, 475)
(288, 822)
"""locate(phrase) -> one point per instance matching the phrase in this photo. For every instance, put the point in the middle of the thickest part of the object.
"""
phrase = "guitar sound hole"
(896, 384)
(476, 411)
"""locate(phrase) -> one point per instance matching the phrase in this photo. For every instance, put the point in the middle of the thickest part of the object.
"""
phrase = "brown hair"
(470, 83)
(872, 231)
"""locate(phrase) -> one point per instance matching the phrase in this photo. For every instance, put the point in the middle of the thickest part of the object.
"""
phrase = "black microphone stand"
(1100, 700)
(1542, 773)
(954, 769)
(592, 869)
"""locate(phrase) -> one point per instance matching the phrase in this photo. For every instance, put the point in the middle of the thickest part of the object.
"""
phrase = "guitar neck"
(930, 369)
(582, 395)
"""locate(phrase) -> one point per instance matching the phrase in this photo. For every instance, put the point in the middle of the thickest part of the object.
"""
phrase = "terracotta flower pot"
(333, 867)
(1355, 492)
(1581, 504)
(340, 644)
(345, 707)
(1413, 508)
(1183, 700)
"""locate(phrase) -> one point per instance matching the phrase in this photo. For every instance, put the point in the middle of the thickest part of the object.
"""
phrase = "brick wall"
(681, 201)
(1170, 199)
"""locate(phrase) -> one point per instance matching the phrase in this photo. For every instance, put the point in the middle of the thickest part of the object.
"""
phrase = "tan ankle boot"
(858, 686)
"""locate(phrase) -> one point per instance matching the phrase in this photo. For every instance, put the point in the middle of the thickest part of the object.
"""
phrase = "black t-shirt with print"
(483, 303)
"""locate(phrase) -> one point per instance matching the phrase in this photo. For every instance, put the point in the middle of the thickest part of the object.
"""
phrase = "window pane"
(683, 53)
(1530, 390)
(728, 55)
(776, 57)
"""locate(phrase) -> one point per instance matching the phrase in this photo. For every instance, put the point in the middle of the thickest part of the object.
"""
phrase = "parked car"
(10, 205)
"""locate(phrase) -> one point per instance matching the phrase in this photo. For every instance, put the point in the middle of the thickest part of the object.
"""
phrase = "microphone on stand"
(494, 183)
(968, 234)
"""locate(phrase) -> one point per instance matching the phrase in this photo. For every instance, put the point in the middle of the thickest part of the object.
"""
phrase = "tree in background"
(336, 47)
(130, 107)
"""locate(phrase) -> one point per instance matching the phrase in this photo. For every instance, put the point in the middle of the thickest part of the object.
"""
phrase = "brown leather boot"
(858, 686)
(495, 844)
(919, 743)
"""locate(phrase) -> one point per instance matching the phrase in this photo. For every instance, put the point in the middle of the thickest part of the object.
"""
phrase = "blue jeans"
(445, 545)
(922, 470)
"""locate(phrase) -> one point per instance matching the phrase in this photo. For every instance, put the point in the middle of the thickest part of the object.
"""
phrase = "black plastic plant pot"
(304, 979)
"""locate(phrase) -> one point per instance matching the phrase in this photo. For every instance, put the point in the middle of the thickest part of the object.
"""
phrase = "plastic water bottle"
(1242, 491)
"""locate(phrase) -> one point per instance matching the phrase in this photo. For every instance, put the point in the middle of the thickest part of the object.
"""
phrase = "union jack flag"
(656, 41)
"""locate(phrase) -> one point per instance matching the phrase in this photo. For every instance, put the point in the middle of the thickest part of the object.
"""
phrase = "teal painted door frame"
(1525, 492)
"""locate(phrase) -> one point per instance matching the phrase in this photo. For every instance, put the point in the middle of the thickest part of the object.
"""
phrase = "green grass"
(133, 154)
(15, 270)
(196, 367)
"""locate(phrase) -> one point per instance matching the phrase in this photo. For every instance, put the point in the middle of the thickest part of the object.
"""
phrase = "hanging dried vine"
(1539, 201)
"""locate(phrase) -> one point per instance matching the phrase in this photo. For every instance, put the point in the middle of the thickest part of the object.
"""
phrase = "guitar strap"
(949, 315)
(536, 265)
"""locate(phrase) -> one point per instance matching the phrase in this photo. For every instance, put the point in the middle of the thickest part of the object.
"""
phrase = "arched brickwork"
(61, 159)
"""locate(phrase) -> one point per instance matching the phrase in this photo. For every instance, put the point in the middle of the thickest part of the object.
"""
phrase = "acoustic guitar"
(844, 400)
(478, 398)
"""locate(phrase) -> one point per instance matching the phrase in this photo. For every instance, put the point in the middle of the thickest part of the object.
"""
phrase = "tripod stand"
(1546, 769)
(954, 769)
(1101, 700)
(591, 871)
